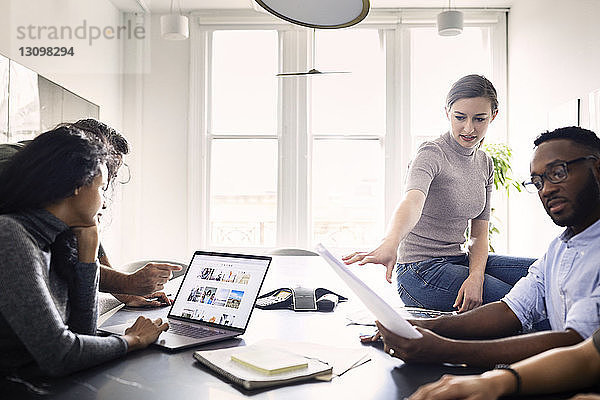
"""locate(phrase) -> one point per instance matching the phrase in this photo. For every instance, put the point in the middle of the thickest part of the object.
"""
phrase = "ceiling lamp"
(450, 23)
(174, 26)
(318, 13)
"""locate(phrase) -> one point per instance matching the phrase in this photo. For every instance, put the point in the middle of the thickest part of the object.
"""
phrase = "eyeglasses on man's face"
(555, 173)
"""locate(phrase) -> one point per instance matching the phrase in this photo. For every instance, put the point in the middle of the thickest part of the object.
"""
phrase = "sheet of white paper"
(379, 307)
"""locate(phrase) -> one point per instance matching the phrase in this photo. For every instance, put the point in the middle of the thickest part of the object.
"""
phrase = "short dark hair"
(470, 86)
(581, 136)
(49, 169)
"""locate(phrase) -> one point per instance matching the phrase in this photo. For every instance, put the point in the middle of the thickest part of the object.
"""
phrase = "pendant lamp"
(174, 26)
(450, 23)
(323, 14)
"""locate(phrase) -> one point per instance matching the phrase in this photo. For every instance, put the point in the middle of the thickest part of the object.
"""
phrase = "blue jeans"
(434, 283)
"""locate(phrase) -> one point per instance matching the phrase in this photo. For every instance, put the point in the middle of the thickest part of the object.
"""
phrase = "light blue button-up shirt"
(563, 285)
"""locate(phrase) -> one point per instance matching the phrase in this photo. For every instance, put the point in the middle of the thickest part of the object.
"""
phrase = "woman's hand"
(144, 332)
(385, 254)
(87, 242)
(406, 215)
(470, 294)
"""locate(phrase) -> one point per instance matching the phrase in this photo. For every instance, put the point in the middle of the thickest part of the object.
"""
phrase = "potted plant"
(501, 155)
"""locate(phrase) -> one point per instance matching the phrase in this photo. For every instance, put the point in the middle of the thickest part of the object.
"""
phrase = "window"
(348, 127)
(347, 192)
(243, 203)
(289, 162)
(244, 88)
(243, 139)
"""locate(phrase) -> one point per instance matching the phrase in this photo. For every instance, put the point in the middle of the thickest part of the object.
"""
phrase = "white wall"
(156, 101)
(553, 57)
(93, 72)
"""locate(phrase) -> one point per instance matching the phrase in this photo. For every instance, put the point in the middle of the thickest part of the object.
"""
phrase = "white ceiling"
(161, 6)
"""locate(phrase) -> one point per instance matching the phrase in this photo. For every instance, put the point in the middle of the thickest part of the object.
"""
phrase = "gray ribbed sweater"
(42, 321)
(457, 183)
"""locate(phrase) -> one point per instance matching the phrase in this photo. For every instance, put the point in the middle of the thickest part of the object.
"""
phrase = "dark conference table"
(153, 373)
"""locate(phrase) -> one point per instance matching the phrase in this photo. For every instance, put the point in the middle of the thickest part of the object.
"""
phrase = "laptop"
(214, 302)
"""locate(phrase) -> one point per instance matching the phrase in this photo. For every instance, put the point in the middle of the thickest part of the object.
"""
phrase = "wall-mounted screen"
(51, 101)
(31, 103)
(23, 104)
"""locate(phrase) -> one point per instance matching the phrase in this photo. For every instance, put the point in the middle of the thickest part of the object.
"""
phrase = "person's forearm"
(112, 281)
(83, 297)
(405, 217)
(560, 370)
(478, 248)
(492, 320)
(487, 353)
(478, 254)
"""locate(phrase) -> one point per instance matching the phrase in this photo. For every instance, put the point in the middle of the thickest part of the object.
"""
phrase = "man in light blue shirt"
(563, 285)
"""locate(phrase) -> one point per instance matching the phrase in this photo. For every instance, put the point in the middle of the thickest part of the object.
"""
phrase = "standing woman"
(449, 185)
(51, 192)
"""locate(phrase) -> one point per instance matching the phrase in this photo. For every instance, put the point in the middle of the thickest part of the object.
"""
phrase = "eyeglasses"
(122, 177)
(124, 174)
(555, 173)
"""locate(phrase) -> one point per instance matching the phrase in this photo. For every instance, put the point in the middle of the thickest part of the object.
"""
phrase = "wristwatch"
(508, 368)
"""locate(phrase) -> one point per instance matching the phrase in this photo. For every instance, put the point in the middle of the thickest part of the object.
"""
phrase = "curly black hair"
(50, 168)
(115, 142)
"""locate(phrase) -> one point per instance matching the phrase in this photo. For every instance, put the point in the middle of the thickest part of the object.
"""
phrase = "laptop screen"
(220, 288)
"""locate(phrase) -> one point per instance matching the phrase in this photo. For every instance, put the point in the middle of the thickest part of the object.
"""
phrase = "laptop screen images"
(220, 289)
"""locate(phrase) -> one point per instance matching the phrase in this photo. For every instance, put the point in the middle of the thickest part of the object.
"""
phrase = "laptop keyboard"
(196, 332)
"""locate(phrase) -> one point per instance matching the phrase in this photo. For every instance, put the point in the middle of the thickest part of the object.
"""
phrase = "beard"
(586, 202)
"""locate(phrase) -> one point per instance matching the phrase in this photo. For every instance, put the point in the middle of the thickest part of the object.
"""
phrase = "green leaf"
(501, 156)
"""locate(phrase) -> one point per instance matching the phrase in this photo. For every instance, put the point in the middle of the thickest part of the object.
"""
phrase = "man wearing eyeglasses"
(562, 286)
(142, 288)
